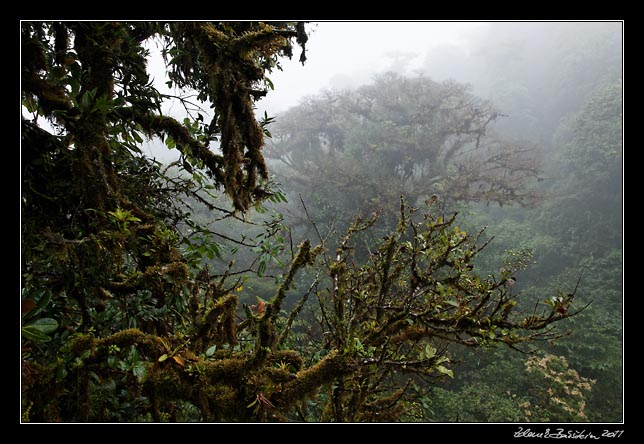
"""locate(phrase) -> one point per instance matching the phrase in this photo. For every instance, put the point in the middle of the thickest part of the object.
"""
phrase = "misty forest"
(442, 245)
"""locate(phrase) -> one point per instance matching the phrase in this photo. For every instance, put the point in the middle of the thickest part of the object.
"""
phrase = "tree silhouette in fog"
(122, 318)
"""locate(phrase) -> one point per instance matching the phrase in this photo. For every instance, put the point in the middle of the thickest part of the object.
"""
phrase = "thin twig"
(315, 227)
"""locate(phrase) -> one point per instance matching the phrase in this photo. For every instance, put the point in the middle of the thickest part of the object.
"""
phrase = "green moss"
(289, 357)
(133, 336)
(222, 399)
(168, 384)
(308, 381)
(232, 369)
(82, 342)
(218, 324)
(279, 375)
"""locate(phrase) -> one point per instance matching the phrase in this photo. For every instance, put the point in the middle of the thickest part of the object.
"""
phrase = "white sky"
(343, 54)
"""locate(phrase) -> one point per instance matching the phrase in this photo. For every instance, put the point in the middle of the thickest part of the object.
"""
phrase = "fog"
(454, 189)
(341, 55)
(517, 126)
(348, 54)
(501, 61)
(365, 120)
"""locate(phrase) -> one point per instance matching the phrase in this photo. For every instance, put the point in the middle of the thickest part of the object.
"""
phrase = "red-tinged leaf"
(28, 305)
(261, 305)
(179, 360)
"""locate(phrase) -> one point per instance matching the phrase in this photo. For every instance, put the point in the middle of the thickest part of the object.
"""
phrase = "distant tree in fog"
(123, 320)
(363, 148)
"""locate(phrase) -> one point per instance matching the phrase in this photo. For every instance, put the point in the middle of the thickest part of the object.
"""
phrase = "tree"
(587, 204)
(122, 322)
(359, 150)
(536, 72)
(578, 226)
(102, 248)
(399, 312)
(540, 389)
(585, 215)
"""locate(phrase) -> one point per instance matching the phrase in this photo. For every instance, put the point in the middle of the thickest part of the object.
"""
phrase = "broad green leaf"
(430, 351)
(35, 335)
(358, 345)
(84, 101)
(445, 371)
(163, 357)
(211, 351)
(134, 354)
(44, 325)
(122, 365)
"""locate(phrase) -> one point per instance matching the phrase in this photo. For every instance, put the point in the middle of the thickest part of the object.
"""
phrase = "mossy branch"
(150, 344)
(219, 322)
(384, 409)
(304, 257)
(308, 381)
(51, 96)
(267, 338)
(177, 271)
(230, 70)
(162, 126)
(296, 310)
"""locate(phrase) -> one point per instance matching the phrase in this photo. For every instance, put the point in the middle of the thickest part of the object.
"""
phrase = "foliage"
(107, 241)
(123, 317)
(574, 108)
(588, 204)
(398, 312)
(477, 402)
(544, 390)
(361, 149)
(537, 72)
(564, 399)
